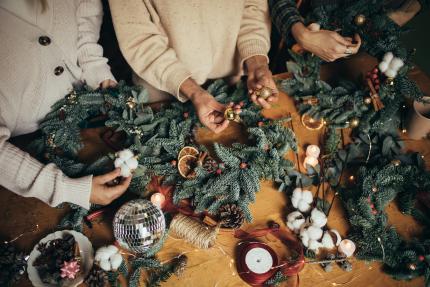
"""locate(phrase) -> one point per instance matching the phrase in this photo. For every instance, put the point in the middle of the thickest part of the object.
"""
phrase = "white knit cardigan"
(41, 55)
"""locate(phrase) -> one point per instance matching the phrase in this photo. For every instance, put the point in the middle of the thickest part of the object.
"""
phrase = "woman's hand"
(108, 84)
(209, 111)
(327, 45)
(260, 76)
(405, 13)
(104, 194)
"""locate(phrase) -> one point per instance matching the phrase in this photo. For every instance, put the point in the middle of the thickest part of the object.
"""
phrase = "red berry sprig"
(372, 206)
(373, 76)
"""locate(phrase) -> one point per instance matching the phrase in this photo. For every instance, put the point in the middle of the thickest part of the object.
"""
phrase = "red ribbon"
(247, 275)
(287, 268)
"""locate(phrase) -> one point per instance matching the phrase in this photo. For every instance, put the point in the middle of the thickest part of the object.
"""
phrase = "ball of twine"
(194, 231)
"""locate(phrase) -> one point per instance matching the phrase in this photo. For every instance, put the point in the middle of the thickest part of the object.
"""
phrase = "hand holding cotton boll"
(108, 258)
(126, 161)
(295, 220)
(318, 218)
(302, 199)
(390, 65)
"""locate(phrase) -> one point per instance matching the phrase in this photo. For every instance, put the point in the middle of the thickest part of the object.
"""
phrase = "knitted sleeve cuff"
(252, 48)
(94, 75)
(77, 190)
(174, 76)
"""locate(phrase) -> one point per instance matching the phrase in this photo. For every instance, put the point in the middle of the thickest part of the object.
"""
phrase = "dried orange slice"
(186, 166)
(311, 123)
(188, 150)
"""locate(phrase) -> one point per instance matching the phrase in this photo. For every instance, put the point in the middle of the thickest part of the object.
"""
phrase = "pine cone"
(231, 216)
(96, 278)
(180, 264)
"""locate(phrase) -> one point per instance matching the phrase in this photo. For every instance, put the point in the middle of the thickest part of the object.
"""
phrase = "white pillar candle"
(310, 160)
(347, 247)
(258, 260)
(313, 151)
(158, 199)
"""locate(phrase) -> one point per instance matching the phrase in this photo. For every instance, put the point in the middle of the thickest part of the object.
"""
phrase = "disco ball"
(138, 225)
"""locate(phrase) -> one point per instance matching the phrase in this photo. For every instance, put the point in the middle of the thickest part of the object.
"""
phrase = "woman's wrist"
(300, 33)
(255, 62)
(191, 90)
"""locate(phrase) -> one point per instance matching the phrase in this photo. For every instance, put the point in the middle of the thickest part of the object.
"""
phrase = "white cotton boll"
(302, 199)
(297, 195)
(132, 163)
(115, 261)
(314, 245)
(292, 227)
(318, 218)
(102, 254)
(314, 232)
(307, 196)
(383, 66)
(396, 64)
(295, 201)
(105, 265)
(125, 171)
(111, 250)
(303, 206)
(295, 220)
(118, 162)
(327, 241)
(388, 57)
(338, 237)
(390, 73)
(125, 154)
(304, 237)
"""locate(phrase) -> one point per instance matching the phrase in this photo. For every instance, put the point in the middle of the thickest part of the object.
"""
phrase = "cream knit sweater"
(35, 72)
(168, 41)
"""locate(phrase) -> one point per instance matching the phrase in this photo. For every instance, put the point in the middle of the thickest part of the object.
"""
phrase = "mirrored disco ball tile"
(138, 225)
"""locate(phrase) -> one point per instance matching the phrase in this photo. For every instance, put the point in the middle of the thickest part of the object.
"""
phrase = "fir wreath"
(380, 181)
(384, 173)
(156, 137)
(348, 104)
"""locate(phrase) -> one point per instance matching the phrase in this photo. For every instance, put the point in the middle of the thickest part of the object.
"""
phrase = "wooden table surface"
(216, 266)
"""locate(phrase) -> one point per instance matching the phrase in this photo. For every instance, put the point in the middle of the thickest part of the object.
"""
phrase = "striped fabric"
(284, 15)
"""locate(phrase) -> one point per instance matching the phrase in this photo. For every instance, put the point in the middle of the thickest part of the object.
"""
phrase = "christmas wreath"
(365, 203)
(378, 172)
(164, 143)
(373, 105)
